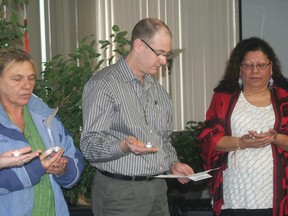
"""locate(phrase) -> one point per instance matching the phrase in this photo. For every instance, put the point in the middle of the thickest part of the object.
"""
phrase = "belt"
(125, 177)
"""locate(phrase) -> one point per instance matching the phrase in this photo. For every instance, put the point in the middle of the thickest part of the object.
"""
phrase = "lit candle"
(148, 145)
(48, 151)
(16, 153)
(56, 148)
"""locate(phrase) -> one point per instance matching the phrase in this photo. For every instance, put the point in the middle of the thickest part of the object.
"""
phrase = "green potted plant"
(193, 196)
(61, 85)
(186, 144)
(10, 28)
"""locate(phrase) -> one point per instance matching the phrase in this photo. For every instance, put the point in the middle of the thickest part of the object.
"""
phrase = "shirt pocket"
(161, 118)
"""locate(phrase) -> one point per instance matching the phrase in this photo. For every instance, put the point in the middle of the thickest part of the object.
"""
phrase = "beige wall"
(206, 31)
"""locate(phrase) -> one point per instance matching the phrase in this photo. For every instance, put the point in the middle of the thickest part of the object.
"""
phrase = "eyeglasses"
(260, 67)
(168, 56)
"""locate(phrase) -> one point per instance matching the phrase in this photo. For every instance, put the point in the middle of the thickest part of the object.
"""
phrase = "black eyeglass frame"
(168, 56)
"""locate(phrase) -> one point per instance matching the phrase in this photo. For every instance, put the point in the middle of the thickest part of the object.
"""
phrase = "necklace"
(145, 116)
(143, 99)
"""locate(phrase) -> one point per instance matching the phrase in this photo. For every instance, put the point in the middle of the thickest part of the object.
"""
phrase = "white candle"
(56, 148)
(148, 145)
(16, 153)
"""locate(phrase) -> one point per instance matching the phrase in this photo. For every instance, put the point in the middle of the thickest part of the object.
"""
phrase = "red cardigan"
(217, 125)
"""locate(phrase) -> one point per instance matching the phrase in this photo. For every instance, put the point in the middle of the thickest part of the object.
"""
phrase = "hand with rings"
(17, 157)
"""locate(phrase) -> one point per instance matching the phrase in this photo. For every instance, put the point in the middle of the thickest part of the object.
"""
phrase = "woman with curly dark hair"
(245, 134)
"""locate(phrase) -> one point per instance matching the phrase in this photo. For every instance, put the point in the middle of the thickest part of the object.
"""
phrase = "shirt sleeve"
(18, 178)
(97, 144)
(167, 145)
(211, 133)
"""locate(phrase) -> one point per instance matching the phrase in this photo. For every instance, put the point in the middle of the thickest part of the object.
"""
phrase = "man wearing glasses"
(127, 119)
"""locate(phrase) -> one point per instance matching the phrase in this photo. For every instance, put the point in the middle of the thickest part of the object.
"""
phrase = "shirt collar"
(127, 74)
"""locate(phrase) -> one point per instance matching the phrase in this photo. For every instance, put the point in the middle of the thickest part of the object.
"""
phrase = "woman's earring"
(240, 83)
(271, 81)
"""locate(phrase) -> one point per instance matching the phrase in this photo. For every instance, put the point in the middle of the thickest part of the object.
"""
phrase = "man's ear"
(138, 45)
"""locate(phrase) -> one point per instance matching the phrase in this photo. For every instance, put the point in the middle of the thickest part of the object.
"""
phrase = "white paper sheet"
(195, 177)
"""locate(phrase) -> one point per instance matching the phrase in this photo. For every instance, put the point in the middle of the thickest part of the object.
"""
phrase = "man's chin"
(154, 72)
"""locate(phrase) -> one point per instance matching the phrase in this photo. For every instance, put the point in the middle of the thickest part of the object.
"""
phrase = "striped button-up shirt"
(115, 104)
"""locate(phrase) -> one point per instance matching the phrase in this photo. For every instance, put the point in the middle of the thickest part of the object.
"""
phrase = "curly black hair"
(229, 82)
